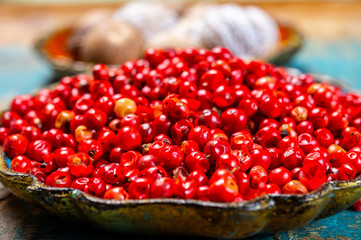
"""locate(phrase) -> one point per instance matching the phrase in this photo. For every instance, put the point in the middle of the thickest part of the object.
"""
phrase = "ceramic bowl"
(267, 214)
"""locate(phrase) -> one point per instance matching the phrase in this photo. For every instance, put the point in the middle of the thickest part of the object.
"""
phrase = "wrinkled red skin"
(215, 148)
(197, 161)
(170, 157)
(80, 165)
(15, 145)
(174, 108)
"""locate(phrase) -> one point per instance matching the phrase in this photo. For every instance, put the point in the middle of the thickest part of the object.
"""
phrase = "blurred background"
(321, 37)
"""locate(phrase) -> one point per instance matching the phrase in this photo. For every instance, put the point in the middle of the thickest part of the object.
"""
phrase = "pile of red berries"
(186, 123)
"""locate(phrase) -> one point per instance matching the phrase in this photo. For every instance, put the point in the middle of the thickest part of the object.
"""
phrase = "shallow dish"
(53, 48)
(266, 214)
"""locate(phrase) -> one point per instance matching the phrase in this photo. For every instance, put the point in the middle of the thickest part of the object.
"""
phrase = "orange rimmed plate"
(54, 49)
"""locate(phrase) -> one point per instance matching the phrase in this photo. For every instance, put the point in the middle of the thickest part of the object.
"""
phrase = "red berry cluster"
(190, 124)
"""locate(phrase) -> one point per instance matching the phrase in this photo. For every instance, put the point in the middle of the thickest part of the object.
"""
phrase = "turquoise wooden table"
(20, 220)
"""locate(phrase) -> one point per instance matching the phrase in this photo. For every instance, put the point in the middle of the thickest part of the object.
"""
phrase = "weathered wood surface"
(3, 192)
